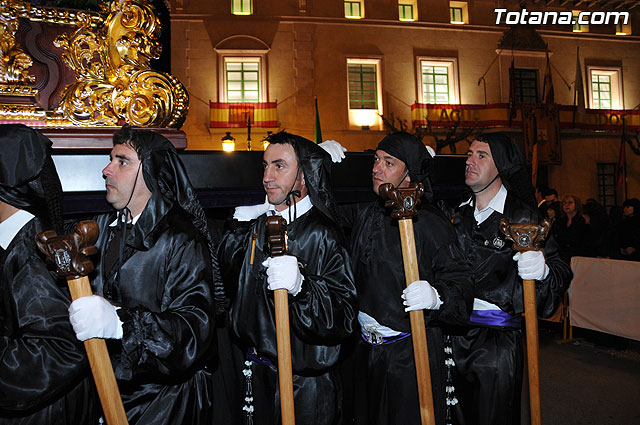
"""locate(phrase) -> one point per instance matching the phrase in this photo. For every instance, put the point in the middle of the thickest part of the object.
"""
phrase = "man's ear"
(407, 178)
(302, 180)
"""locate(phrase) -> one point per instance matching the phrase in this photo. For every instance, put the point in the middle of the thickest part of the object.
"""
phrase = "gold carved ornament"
(114, 82)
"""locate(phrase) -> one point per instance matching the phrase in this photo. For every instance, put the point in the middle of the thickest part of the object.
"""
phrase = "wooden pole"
(277, 238)
(418, 331)
(404, 202)
(531, 319)
(527, 237)
(285, 373)
(70, 255)
(100, 364)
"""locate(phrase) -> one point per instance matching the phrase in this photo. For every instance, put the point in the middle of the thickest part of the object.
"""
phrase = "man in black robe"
(154, 284)
(44, 373)
(385, 376)
(489, 354)
(316, 273)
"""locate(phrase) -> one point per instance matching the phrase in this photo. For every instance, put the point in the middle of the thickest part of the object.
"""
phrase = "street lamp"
(228, 142)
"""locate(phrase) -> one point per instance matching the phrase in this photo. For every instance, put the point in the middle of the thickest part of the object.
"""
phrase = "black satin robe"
(44, 373)
(167, 308)
(386, 373)
(489, 360)
(321, 316)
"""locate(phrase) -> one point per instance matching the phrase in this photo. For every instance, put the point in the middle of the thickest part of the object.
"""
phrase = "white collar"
(496, 204)
(12, 225)
(134, 220)
(302, 206)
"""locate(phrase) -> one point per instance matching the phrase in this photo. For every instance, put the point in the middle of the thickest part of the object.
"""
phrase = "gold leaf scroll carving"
(114, 82)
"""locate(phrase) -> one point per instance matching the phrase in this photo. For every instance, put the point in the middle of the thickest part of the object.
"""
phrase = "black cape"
(489, 360)
(379, 273)
(321, 316)
(44, 373)
(165, 292)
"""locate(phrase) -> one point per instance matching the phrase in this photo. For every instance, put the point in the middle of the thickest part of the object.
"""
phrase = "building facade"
(446, 68)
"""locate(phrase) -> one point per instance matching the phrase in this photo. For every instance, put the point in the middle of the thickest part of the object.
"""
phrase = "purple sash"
(495, 318)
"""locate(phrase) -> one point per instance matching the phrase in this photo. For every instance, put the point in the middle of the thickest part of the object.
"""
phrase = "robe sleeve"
(40, 357)
(177, 338)
(325, 310)
(550, 291)
(452, 277)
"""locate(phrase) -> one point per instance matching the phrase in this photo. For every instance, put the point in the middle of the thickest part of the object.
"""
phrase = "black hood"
(315, 163)
(169, 184)
(408, 149)
(28, 177)
(511, 166)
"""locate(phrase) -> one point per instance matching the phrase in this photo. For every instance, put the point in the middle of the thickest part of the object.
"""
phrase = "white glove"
(431, 151)
(94, 317)
(335, 149)
(421, 295)
(250, 212)
(532, 265)
(283, 273)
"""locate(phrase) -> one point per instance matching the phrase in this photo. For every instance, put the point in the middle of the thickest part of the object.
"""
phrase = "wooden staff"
(277, 238)
(527, 237)
(69, 253)
(404, 202)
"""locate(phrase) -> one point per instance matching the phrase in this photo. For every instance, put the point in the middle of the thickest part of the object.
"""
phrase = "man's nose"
(106, 171)
(268, 175)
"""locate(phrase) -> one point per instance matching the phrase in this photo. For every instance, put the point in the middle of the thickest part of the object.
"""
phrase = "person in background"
(628, 233)
(598, 240)
(571, 230)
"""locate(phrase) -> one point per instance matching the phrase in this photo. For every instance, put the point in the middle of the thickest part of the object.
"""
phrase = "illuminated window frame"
(243, 56)
(597, 87)
(458, 13)
(242, 7)
(367, 117)
(354, 9)
(451, 64)
(408, 10)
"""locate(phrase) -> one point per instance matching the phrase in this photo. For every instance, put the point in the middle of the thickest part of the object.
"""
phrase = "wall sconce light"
(228, 142)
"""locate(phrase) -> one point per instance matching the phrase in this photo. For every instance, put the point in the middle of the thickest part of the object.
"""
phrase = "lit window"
(458, 12)
(605, 88)
(365, 106)
(354, 9)
(362, 86)
(438, 81)
(435, 84)
(243, 81)
(577, 27)
(408, 10)
(242, 7)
